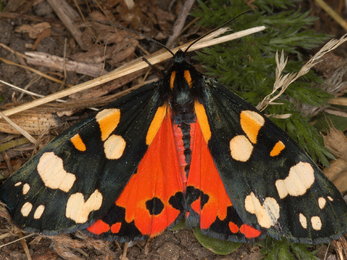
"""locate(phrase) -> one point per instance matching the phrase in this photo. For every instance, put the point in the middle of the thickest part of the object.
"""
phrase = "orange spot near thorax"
(172, 79)
(188, 78)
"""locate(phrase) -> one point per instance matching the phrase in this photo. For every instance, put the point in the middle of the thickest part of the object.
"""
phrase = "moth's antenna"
(148, 38)
(198, 39)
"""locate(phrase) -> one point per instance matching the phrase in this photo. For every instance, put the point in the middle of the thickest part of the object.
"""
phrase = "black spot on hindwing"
(154, 206)
(176, 201)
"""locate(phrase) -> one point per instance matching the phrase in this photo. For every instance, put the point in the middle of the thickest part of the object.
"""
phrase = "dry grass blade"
(25, 246)
(19, 129)
(26, 91)
(341, 101)
(31, 69)
(282, 82)
(11, 144)
(130, 68)
(332, 13)
(3, 236)
(335, 112)
(19, 239)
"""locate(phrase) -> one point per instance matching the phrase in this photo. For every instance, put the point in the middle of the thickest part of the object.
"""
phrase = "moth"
(182, 147)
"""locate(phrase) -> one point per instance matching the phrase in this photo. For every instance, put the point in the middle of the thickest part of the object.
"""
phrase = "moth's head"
(180, 57)
(182, 81)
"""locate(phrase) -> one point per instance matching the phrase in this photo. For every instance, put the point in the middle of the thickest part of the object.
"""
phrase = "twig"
(12, 51)
(19, 239)
(67, 15)
(52, 61)
(179, 23)
(332, 13)
(31, 82)
(25, 246)
(33, 70)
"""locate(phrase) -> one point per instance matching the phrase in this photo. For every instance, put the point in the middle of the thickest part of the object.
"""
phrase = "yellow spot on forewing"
(330, 198)
(240, 148)
(277, 149)
(78, 210)
(203, 121)
(77, 141)
(321, 202)
(39, 211)
(188, 78)
(303, 220)
(114, 147)
(26, 208)
(316, 223)
(18, 184)
(108, 120)
(251, 122)
(172, 79)
(268, 214)
(156, 123)
(52, 173)
(299, 180)
(26, 188)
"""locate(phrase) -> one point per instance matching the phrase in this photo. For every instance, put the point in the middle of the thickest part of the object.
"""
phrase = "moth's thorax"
(181, 92)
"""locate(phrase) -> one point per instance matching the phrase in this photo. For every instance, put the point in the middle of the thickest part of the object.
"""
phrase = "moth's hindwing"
(210, 207)
(153, 198)
(273, 185)
(76, 178)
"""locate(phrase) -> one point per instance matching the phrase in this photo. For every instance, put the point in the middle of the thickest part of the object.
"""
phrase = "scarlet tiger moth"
(184, 146)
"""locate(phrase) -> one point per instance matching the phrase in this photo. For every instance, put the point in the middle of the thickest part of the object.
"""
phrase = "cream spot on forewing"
(26, 188)
(26, 208)
(268, 214)
(303, 220)
(18, 184)
(251, 122)
(316, 223)
(114, 147)
(108, 120)
(330, 198)
(298, 181)
(321, 202)
(39, 211)
(51, 170)
(78, 210)
(240, 148)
